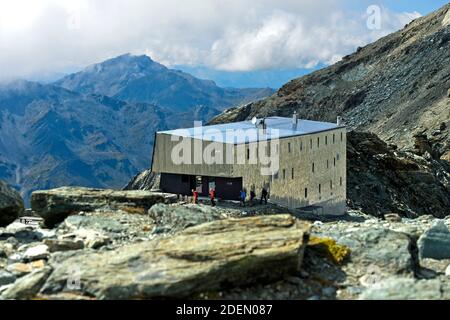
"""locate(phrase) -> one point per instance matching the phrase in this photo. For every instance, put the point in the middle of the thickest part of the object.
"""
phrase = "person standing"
(252, 196)
(212, 195)
(243, 195)
(263, 195)
(195, 195)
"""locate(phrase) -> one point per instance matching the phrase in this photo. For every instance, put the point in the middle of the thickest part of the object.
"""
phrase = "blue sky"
(239, 43)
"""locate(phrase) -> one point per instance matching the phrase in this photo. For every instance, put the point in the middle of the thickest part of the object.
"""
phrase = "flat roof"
(246, 131)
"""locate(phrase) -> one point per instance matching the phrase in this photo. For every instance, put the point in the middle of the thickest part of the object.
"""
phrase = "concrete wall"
(297, 153)
(164, 162)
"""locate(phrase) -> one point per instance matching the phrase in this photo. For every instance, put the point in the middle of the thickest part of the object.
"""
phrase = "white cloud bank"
(46, 36)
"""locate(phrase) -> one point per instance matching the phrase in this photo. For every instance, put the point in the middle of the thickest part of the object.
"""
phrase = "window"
(328, 163)
(334, 136)
(301, 145)
(289, 147)
(337, 156)
(284, 173)
(306, 192)
(320, 188)
(292, 173)
(313, 167)
(310, 143)
(248, 154)
(342, 136)
(334, 162)
(318, 142)
(326, 140)
(340, 181)
(331, 184)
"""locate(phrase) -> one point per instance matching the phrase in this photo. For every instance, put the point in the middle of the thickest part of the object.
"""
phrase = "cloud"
(291, 40)
(46, 36)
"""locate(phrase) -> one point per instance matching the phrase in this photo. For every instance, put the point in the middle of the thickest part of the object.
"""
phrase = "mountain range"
(96, 127)
(140, 79)
(396, 87)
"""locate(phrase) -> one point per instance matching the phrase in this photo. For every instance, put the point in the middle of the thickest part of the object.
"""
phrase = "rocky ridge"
(396, 87)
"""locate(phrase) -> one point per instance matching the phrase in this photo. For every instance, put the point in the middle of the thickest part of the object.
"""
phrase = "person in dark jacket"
(252, 196)
(263, 195)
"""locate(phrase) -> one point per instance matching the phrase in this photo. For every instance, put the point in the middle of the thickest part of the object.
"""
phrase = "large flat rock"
(211, 256)
(56, 204)
(375, 253)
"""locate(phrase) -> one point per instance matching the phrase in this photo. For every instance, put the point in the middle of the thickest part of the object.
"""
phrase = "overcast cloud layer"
(47, 36)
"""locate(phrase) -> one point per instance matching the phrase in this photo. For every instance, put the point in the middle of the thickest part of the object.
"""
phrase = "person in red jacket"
(212, 195)
(195, 195)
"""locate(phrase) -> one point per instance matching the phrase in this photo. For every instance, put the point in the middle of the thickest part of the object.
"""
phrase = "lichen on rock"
(328, 247)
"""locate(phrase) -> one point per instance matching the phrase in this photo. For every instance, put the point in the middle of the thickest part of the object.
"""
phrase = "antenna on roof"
(254, 120)
(294, 121)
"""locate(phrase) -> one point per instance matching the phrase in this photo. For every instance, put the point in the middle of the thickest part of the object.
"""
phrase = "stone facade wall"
(288, 188)
(326, 186)
(164, 162)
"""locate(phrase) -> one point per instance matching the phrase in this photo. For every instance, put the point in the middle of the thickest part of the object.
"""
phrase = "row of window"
(275, 176)
(318, 142)
(301, 145)
(320, 187)
(328, 162)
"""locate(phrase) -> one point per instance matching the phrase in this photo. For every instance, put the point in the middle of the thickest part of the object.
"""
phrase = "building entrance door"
(228, 188)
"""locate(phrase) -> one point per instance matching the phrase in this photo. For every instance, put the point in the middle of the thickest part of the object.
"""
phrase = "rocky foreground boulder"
(56, 204)
(408, 289)
(207, 257)
(435, 242)
(11, 204)
(220, 253)
(175, 218)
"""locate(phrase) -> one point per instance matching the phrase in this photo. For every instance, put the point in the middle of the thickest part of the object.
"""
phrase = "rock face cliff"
(395, 87)
(382, 179)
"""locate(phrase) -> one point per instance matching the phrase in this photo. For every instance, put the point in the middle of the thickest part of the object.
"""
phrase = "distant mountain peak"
(137, 78)
(127, 63)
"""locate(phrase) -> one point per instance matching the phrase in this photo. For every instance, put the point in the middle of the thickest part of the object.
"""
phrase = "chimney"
(261, 125)
(339, 121)
(294, 121)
